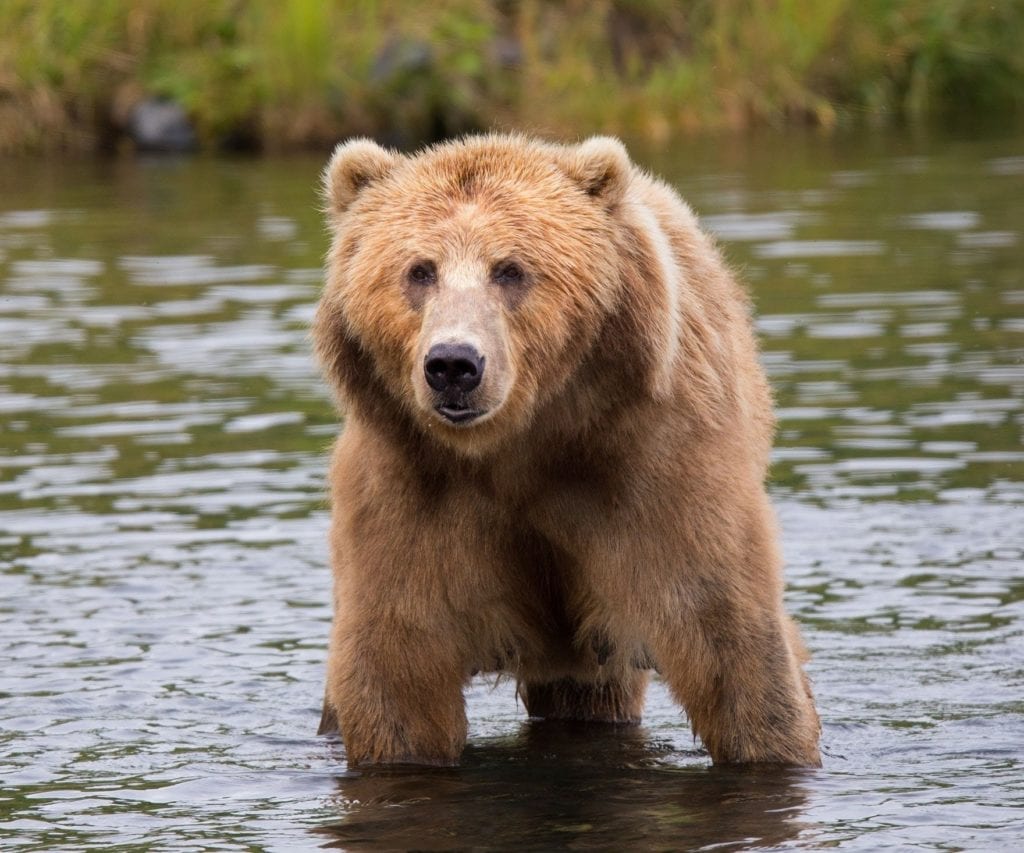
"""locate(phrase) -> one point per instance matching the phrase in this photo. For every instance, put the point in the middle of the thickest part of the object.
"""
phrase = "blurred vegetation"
(275, 75)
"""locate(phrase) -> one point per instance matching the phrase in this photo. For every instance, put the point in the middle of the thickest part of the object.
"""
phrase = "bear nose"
(450, 366)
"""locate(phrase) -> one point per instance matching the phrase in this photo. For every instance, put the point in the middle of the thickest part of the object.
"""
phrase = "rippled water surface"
(163, 574)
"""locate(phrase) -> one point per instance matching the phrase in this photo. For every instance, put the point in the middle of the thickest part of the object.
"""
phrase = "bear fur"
(572, 492)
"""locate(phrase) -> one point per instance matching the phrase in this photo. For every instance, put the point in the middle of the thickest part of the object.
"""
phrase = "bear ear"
(355, 165)
(601, 167)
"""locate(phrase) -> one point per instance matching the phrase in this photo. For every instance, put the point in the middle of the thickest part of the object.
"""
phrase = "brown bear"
(553, 457)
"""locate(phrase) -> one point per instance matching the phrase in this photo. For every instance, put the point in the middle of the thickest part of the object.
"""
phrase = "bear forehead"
(481, 193)
(492, 174)
(489, 158)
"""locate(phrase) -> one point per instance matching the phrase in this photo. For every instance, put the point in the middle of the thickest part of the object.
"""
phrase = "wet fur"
(610, 516)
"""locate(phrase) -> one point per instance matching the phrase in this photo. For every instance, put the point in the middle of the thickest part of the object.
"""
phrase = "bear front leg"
(699, 579)
(396, 693)
(738, 673)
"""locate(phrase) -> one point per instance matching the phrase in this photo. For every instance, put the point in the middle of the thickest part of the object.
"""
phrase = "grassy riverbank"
(278, 75)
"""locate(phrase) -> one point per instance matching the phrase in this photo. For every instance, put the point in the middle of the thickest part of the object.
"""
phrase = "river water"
(164, 590)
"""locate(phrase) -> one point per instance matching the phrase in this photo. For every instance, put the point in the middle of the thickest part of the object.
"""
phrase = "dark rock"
(160, 125)
(507, 52)
(398, 59)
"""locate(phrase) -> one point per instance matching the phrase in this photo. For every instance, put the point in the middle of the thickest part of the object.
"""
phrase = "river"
(164, 589)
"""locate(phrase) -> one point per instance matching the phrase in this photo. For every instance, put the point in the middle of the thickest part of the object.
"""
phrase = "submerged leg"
(618, 700)
(744, 689)
(396, 696)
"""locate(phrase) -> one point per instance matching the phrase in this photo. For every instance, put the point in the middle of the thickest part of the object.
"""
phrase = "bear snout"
(453, 370)
(453, 365)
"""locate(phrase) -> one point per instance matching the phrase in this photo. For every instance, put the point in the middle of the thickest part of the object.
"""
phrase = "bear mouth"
(456, 413)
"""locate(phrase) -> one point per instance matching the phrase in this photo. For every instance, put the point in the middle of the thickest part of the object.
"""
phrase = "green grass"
(303, 73)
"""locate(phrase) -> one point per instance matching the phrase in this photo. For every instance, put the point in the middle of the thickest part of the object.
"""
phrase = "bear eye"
(508, 272)
(422, 273)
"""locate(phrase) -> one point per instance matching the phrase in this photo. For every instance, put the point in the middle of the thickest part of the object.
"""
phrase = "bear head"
(467, 285)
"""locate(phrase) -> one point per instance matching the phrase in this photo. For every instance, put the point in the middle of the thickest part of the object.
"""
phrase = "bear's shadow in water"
(568, 786)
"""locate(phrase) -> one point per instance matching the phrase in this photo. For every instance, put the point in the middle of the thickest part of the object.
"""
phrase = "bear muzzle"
(453, 371)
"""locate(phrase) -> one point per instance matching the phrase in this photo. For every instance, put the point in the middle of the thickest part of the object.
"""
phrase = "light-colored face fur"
(490, 272)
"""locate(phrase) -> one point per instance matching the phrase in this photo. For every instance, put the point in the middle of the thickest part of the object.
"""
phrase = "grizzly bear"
(556, 435)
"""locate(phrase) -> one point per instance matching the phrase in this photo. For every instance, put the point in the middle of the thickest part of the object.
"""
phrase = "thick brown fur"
(605, 513)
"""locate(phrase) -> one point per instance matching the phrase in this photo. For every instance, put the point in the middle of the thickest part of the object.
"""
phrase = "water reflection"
(553, 786)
